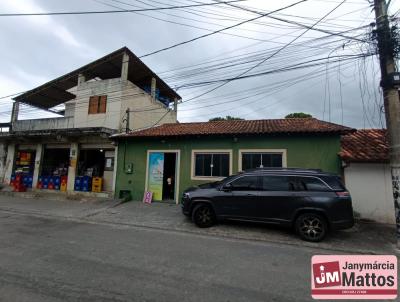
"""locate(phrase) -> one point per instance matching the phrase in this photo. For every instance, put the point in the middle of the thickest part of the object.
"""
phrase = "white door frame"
(177, 169)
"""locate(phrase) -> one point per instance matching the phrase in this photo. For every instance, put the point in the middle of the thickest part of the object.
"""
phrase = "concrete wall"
(44, 124)
(302, 151)
(120, 96)
(69, 109)
(370, 186)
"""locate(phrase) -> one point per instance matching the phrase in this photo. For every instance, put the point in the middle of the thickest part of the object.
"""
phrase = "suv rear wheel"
(311, 227)
(203, 216)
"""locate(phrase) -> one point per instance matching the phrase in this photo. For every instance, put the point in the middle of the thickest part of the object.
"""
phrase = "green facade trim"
(303, 151)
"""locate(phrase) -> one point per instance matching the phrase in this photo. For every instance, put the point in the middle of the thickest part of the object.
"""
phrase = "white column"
(38, 164)
(115, 170)
(3, 157)
(125, 65)
(153, 88)
(9, 163)
(73, 165)
(176, 104)
(81, 79)
(14, 113)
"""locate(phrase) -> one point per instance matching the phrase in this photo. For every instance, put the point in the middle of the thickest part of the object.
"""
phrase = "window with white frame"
(211, 164)
(251, 160)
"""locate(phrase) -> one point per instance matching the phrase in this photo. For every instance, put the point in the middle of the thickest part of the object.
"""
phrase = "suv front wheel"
(203, 216)
(311, 227)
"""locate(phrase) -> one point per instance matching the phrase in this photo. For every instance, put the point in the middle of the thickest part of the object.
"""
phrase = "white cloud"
(44, 23)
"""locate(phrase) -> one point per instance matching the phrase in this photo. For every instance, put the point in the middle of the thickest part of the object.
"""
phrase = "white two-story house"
(113, 94)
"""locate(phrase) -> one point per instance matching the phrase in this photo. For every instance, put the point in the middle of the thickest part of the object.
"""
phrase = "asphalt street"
(50, 259)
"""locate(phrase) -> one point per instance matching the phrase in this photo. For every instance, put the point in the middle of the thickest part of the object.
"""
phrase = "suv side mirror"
(227, 187)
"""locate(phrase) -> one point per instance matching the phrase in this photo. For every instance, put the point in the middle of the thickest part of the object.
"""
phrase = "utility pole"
(127, 120)
(391, 100)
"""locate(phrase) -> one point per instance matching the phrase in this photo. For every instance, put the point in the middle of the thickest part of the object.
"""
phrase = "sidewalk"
(362, 238)
(54, 205)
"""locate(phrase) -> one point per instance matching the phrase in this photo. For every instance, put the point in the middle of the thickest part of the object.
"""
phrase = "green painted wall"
(318, 152)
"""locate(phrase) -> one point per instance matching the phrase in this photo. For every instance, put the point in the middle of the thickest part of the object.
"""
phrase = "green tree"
(298, 115)
(227, 118)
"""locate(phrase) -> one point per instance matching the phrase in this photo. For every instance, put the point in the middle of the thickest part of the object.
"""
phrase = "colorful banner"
(156, 173)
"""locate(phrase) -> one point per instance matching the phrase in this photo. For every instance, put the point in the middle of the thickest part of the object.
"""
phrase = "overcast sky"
(38, 49)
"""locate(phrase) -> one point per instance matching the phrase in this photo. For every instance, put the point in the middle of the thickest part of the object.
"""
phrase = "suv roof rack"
(302, 170)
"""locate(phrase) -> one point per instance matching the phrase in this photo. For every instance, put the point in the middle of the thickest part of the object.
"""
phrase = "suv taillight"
(342, 194)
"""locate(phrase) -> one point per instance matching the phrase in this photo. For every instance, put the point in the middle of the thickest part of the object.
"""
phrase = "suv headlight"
(185, 196)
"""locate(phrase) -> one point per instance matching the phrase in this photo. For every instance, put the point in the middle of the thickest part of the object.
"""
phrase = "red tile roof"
(238, 127)
(368, 145)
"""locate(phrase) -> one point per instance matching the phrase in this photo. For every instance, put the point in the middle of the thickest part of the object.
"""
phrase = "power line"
(192, 19)
(301, 65)
(280, 87)
(116, 11)
(272, 55)
(294, 22)
(202, 36)
(220, 30)
(283, 69)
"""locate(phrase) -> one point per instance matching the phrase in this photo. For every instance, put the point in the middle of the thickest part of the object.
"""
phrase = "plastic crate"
(96, 188)
(19, 188)
(56, 180)
(78, 180)
(64, 179)
(85, 189)
(87, 180)
(63, 187)
(97, 180)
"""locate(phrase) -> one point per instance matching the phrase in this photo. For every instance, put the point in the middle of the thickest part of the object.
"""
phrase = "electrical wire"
(115, 11)
(269, 57)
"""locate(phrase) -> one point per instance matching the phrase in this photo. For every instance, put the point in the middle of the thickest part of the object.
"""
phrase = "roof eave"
(72, 77)
(133, 135)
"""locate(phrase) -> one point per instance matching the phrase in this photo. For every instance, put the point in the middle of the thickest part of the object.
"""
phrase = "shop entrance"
(162, 175)
(169, 176)
(55, 162)
(24, 166)
(91, 163)
(54, 169)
